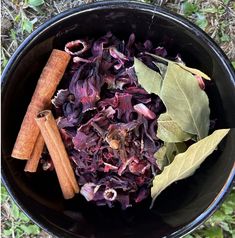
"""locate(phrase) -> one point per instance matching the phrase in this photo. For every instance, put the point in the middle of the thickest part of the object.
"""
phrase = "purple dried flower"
(110, 194)
(60, 98)
(161, 51)
(143, 110)
(200, 82)
(76, 47)
(87, 191)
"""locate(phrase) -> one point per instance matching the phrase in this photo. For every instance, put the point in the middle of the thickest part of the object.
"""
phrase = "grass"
(20, 18)
(14, 223)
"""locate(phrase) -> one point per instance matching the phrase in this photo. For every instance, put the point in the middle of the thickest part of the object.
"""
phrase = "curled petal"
(87, 190)
(76, 47)
(117, 55)
(138, 167)
(161, 51)
(110, 194)
(66, 137)
(82, 141)
(132, 75)
(98, 46)
(86, 91)
(179, 59)
(125, 107)
(60, 97)
(108, 167)
(109, 80)
(152, 130)
(113, 102)
(142, 109)
(200, 82)
(109, 112)
(121, 58)
(148, 45)
(118, 66)
(64, 122)
(77, 59)
(135, 90)
(143, 193)
(124, 166)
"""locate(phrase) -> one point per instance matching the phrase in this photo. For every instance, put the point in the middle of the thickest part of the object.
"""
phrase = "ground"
(19, 18)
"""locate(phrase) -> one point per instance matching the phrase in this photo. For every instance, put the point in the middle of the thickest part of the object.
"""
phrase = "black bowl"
(181, 207)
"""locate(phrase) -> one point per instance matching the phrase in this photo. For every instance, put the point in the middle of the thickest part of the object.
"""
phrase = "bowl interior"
(180, 204)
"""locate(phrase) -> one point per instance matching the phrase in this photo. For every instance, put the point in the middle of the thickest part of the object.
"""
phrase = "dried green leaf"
(194, 71)
(186, 103)
(169, 131)
(185, 164)
(165, 155)
(162, 68)
(174, 149)
(161, 158)
(191, 70)
(149, 79)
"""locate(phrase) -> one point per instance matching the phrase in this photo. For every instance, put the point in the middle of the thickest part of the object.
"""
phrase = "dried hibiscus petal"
(200, 81)
(142, 109)
(76, 47)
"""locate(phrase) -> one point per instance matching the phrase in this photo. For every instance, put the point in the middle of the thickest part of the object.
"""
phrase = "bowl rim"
(123, 4)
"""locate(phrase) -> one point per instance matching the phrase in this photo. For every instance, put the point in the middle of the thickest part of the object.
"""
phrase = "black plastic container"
(181, 207)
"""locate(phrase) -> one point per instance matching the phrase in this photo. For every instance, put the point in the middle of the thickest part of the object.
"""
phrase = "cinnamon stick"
(59, 156)
(46, 86)
(32, 163)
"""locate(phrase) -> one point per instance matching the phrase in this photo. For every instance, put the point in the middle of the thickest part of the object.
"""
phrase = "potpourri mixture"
(132, 119)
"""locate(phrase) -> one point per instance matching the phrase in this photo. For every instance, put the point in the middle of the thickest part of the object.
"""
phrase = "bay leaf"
(149, 79)
(161, 158)
(191, 70)
(162, 68)
(185, 102)
(173, 149)
(165, 155)
(185, 164)
(169, 131)
(194, 71)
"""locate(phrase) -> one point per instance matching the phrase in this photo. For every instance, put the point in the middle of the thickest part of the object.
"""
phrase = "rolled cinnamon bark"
(59, 156)
(46, 86)
(32, 163)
